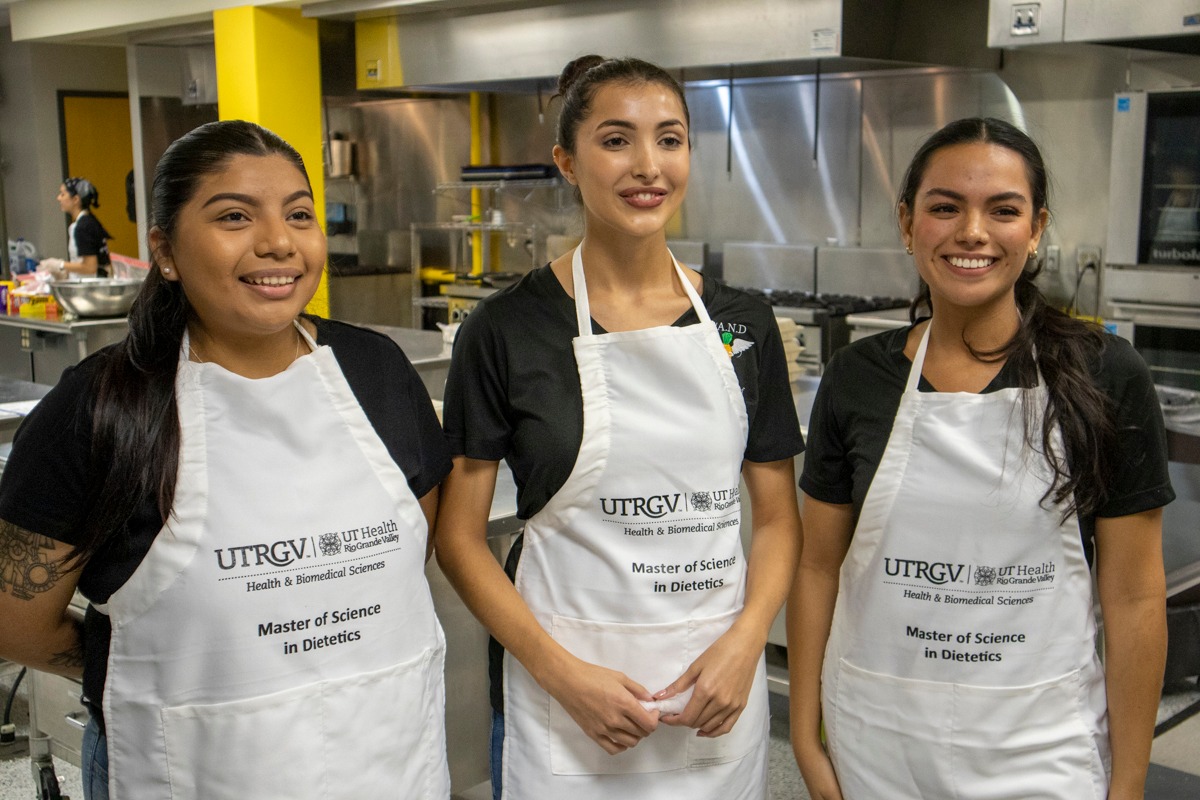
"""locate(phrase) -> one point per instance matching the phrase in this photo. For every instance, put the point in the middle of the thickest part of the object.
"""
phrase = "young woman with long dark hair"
(244, 493)
(962, 475)
(636, 628)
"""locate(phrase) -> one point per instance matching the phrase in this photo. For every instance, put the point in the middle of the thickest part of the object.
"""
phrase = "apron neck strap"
(914, 374)
(583, 309)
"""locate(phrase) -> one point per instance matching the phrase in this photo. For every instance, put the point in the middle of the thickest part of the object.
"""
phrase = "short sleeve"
(774, 427)
(1140, 478)
(475, 409)
(89, 236)
(827, 474)
(44, 486)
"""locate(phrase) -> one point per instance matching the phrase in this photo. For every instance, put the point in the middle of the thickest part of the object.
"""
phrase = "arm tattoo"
(27, 563)
(71, 658)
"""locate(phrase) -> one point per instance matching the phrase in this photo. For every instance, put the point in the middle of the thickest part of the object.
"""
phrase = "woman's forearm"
(1135, 646)
(774, 545)
(473, 570)
(810, 608)
(1132, 589)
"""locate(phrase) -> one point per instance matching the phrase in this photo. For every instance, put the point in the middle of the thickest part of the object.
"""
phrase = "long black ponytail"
(1066, 348)
(135, 419)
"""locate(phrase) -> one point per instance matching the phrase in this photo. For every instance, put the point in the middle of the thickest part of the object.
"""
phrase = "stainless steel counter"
(39, 350)
(16, 392)
(871, 322)
(427, 352)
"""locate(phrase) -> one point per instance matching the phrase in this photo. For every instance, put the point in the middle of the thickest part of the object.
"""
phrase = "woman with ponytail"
(963, 476)
(87, 241)
(244, 495)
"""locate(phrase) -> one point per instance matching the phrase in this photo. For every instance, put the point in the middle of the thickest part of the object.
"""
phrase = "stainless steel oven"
(1152, 262)
(1154, 199)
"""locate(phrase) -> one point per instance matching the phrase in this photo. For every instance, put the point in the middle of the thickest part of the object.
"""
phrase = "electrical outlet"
(1053, 258)
(1025, 19)
(1087, 254)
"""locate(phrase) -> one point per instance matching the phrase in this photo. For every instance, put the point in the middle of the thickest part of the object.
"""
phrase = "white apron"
(636, 564)
(279, 639)
(962, 661)
(72, 247)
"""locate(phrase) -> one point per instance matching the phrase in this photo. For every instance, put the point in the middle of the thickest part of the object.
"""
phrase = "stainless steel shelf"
(432, 302)
(502, 227)
(516, 183)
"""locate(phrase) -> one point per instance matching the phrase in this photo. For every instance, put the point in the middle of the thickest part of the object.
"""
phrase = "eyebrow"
(620, 123)
(996, 198)
(251, 201)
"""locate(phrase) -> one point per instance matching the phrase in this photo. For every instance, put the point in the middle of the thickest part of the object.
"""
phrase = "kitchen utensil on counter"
(96, 297)
(341, 156)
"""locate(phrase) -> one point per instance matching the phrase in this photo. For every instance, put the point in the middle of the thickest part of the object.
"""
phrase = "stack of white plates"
(791, 346)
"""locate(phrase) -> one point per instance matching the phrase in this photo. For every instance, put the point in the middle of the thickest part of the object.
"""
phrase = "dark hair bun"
(574, 71)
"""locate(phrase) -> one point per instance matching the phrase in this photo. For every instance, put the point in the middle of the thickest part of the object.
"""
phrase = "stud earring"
(166, 270)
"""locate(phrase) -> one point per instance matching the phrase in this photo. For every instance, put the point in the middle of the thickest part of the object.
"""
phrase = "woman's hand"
(817, 771)
(720, 680)
(605, 704)
(54, 267)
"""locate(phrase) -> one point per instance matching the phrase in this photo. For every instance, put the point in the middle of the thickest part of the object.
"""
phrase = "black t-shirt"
(43, 488)
(92, 240)
(859, 395)
(513, 391)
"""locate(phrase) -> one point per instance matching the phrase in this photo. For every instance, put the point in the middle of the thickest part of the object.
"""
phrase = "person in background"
(634, 635)
(87, 241)
(961, 476)
(244, 494)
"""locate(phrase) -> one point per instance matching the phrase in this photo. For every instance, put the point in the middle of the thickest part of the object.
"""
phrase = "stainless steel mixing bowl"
(96, 297)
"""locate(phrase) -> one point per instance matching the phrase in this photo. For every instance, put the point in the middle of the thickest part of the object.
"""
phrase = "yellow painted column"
(476, 158)
(269, 72)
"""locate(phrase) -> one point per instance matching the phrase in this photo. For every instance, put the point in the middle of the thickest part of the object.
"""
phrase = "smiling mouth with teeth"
(971, 263)
(277, 280)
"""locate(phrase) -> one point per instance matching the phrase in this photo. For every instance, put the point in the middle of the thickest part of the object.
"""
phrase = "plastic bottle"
(27, 254)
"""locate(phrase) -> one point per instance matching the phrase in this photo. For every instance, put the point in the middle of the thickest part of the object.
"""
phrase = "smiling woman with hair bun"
(630, 397)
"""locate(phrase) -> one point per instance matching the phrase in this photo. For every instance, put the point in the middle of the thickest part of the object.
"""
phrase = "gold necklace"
(198, 359)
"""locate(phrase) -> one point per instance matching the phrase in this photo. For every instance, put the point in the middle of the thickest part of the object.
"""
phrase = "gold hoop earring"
(908, 249)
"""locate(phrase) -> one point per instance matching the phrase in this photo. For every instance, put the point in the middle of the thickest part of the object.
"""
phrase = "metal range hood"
(1167, 25)
(489, 44)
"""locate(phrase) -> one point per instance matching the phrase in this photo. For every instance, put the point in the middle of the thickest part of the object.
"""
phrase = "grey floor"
(1175, 770)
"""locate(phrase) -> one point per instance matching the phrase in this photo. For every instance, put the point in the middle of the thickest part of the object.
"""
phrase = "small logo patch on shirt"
(735, 347)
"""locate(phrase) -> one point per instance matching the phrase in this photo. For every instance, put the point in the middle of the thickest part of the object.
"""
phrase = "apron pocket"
(1028, 741)
(888, 737)
(357, 736)
(653, 655)
(753, 726)
(387, 729)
